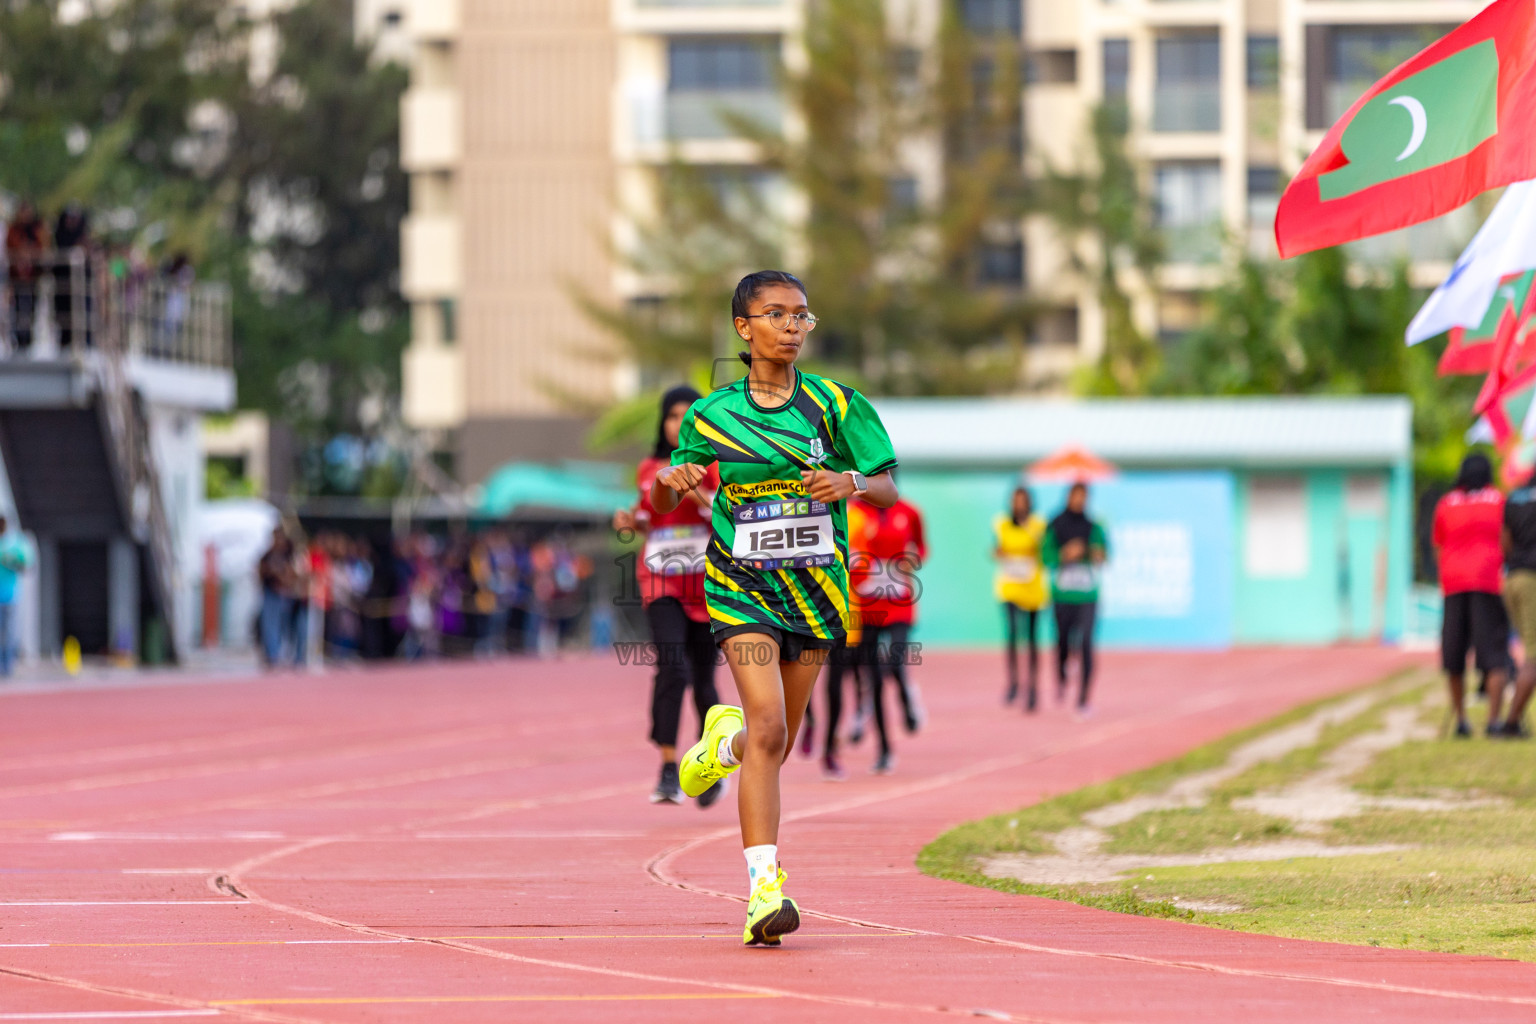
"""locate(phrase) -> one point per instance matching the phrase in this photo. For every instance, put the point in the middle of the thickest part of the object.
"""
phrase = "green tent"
(584, 489)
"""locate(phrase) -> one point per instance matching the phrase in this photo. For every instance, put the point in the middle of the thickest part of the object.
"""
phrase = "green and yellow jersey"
(776, 557)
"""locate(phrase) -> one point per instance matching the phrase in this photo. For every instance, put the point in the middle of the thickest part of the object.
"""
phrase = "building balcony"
(431, 130)
(690, 116)
(668, 17)
(435, 20)
(431, 259)
(1186, 108)
(174, 333)
(432, 387)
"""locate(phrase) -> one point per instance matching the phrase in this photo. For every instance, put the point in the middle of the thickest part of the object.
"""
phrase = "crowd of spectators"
(341, 597)
(49, 279)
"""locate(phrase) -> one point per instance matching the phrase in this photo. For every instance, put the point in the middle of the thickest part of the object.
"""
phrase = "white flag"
(1504, 245)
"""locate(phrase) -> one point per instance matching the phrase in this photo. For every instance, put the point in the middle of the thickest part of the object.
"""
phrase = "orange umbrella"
(1073, 465)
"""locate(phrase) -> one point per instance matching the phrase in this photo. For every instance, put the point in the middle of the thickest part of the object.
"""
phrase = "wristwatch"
(860, 485)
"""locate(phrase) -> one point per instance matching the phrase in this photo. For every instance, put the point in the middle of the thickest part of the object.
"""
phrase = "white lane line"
(532, 835)
(174, 837)
(123, 903)
(110, 1015)
(238, 942)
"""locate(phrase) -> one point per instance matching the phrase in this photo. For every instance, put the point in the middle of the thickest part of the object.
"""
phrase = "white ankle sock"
(726, 755)
(762, 864)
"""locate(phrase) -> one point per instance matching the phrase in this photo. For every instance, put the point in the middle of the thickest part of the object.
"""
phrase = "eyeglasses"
(779, 319)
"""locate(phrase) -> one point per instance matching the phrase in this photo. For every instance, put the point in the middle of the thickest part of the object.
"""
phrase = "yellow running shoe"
(770, 913)
(701, 767)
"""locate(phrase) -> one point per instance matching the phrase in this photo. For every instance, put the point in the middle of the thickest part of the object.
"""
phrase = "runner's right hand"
(683, 478)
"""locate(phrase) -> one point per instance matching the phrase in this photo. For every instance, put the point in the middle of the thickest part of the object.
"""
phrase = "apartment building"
(532, 127)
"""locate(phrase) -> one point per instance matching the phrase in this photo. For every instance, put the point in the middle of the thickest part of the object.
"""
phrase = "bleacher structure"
(99, 424)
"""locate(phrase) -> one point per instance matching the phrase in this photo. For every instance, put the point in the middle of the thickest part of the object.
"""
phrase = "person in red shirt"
(1467, 538)
(670, 574)
(886, 548)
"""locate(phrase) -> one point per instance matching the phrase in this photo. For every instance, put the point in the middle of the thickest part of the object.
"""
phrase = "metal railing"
(708, 115)
(67, 299)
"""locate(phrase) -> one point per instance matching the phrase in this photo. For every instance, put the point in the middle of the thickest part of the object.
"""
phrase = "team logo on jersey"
(817, 452)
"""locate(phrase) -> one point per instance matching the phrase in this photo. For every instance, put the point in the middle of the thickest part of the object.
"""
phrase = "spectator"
(1519, 542)
(15, 559)
(1467, 530)
(72, 276)
(179, 276)
(26, 241)
(275, 571)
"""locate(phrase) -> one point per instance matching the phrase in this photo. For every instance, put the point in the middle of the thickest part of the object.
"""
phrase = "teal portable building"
(1231, 521)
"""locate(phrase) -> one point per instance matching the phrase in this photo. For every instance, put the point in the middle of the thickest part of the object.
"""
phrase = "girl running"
(792, 447)
(670, 574)
(1021, 587)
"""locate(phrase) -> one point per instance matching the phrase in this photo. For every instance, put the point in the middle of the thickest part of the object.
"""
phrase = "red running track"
(474, 843)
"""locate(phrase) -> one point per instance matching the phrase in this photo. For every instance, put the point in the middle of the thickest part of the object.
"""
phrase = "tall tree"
(124, 108)
(1106, 220)
(907, 272)
(323, 326)
(286, 184)
(1314, 325)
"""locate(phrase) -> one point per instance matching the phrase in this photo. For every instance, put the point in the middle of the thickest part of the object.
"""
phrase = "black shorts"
(791, 645)
(1474, 622)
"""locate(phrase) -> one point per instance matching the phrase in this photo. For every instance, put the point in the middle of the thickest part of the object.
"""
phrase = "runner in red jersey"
(670, 574)
(887, 546)
(1467, 536)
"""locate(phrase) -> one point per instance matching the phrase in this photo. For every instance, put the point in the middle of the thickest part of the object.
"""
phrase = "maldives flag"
(1471, 349)
(1447, 124)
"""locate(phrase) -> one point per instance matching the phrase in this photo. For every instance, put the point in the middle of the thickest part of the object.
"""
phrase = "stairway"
(75, 441)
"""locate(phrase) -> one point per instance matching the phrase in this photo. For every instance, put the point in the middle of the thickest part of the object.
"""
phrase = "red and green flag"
(1470, 350)
(1453, 121)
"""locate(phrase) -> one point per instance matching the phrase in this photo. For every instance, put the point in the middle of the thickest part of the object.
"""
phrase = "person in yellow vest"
(1021, 587)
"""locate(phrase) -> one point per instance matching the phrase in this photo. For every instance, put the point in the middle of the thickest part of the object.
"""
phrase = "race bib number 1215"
(783, 535)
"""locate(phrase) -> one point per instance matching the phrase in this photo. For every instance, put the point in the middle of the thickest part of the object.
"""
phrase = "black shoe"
(668, 790)
(1012, 692)
(713, 793)
(1463, 730)
(1509, 731)
(884, 765)
(1031, 700)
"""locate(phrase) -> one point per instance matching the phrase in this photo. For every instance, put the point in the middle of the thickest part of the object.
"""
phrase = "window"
(1345, 60)
(1001, 263)
(1188, 93)
(1188, 199)
(1117, 70)
(1051, 67)
(993, 15)
(1117, 81)
(1263, 62)
(901, 198)
(722, 64)
(1278, 542)
(714, 83)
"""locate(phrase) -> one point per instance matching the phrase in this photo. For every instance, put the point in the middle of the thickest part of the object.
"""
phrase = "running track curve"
(473, 843)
